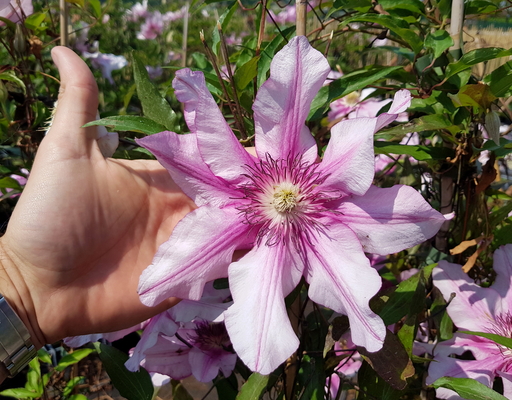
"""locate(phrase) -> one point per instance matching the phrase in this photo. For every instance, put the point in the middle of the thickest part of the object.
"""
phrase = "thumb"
(78, 102)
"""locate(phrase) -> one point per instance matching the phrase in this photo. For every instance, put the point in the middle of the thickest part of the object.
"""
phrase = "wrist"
(15, 290)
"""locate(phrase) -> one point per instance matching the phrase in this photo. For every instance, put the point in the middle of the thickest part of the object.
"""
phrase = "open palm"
(85, 226)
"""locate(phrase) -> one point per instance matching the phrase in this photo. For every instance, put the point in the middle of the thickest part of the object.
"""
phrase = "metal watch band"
(16, 348)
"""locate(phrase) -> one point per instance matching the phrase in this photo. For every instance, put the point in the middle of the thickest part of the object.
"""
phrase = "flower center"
(285, 200)
(503, 326)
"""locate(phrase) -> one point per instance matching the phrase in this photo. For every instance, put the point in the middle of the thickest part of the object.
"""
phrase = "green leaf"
(411, 6)
(73, 358)
(77, 397)
(468, 388)
(227, 388)
(373, 386)
(34, 381)
(500, 80)
(346, 84)
(246, 73)
(504, 341)
(96, 8)
(71, 384)
(479, 7)
(255, 386)
(268, 53)
(418, 152)
(474, 57)
(9, 183)
(394, 24)
(35, 20)
(43, 355)
(79, 3)
(392, 362)
(399, 302)
(132, 385)
(154, 106)
(20, 393)
(11, 77)
(431, 122)
(311, 377)
(438, 41)
(129, 123)
(224, 20)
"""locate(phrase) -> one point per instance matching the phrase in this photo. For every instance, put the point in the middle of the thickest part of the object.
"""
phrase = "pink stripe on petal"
(257, 322)
(199, 250)
(388, 220)
(180, 155)
(336, 268)
(213, 133)
(283, 102)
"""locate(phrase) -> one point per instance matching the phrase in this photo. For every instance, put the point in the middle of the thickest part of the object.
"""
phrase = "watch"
(16, 347)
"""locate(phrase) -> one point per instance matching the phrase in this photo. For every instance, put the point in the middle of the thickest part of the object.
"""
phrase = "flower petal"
(473, 308)
(282, 105)
(390, 219)
(349, 157)
(257, 322)
(180, 155)
(401, 102)
(503, 267)
(213, 133)
(205, 366)
(336, 267)
(199, 250)
(168, 357)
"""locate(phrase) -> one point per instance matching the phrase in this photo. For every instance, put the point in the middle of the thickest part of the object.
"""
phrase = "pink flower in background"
(21, 179)
(107, 63)
(15, 10)
(138, 11)
(299, 217)
(154, 72)
(152, 27)
(175, 15)
(475, 309)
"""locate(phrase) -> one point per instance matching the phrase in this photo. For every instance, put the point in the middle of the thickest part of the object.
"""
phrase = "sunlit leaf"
(438, 41)
(129, 123)
(468, 388)
(474, 57)
(73, 358)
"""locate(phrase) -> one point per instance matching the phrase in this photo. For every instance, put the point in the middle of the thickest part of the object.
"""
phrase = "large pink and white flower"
(300, 218)
(475, 309)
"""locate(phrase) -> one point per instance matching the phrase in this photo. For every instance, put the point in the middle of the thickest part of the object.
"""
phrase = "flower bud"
(492, 126)
(20, 43)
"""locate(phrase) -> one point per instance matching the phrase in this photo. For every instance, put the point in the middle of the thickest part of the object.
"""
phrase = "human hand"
(85, 226)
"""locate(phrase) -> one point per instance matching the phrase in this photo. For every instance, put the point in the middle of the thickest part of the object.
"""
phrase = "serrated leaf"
(468, 388)
(255, 386)
(129, 123)
(474, 57)
(438, 41)
(394, 24)
(73, 358)
(132, 385)
(154, 106)
(346, 84)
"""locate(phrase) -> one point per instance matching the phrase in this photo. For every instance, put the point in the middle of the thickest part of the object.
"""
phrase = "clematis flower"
(475, 309)
(15, 10)
(106, 63)
(152, 27)
(298, 217)
(138, 11)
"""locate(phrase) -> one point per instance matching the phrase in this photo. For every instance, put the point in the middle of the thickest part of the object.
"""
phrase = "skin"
(85, 226)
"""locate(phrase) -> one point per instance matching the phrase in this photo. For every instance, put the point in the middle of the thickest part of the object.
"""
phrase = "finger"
(78, 102)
